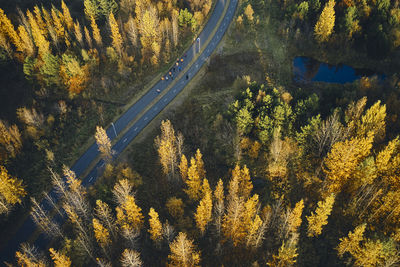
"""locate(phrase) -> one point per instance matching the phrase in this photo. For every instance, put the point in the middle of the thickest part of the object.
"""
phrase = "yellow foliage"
(183, 168)
(96, 32)
(219, 191)
(129, 215)
(155, 226)
(244, 182)
(103, 143)
(183, 252)
(351, 243)
(175, 207)
(249, 12)
(115, 34)
(7, 27)
(40, 40)
(294, 220)
(203, 213)
(342, 161)
(60, 260)
(11, 190)
(373, 121)
(67, 16)
(193, 181)
(320, 218)
(58, 24)
(324, 26)
(287, 255)
(101, 233)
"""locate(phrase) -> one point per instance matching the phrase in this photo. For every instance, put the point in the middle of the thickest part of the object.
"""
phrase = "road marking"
(90, 179)
(182, 82)
(126, 139)
(145, 118)
(155, 108)
(165, 100)
(174, 91)
(135, 129)
(102, 164)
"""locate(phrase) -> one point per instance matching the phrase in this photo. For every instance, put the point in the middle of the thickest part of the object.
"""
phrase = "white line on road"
(145, 118)
(102, 164)
(135, 129)
(155, 108)
(182, 82)
(126, 139)
(174, 91)
(90, 179)
(165, 100)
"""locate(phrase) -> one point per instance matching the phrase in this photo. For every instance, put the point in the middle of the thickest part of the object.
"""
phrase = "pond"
(308, 69)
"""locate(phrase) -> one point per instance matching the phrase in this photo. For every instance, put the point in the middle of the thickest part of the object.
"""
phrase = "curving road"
(173, 87)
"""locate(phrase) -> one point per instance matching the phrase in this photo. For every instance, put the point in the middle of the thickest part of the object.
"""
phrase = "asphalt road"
(8, 250)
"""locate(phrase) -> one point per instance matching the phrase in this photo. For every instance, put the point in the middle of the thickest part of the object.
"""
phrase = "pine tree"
(40, 41)
(351, 243)
(115, 33)
(320, 218)
(167, 149)
(324, 26)
(343, 159)
(88, 37)
(131, 31)
(155, 226)
(26, 40)
(244, 182)
(101, 233)
(203, 213)
(103, 213)
(10, 141)
(11, 190)
(183, 252)
(39, 19)
(67, 16)
(193, 181)
(129, 215)
(58, 23)
(44, 221)
(373, 121)
(122, 189)
(92, 8)
(219, 206)
(175, 207)
(131, 258)
(28, 256)
(60, 260)
(96, 32)
(103, 143)
(294, 220)
(183, 168)
(287, 254)
(7, 27)
(200, 164)
(78, 33)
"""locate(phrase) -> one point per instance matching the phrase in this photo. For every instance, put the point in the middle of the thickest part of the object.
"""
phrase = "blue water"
(308, 69)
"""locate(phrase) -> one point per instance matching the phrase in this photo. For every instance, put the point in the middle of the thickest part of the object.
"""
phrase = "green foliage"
(186, 19)
(50, 69)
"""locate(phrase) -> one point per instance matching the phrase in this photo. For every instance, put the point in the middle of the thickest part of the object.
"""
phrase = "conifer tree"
(10, 141)
(26, 40)
(219, 206)
(40, 41)
(183, 168)
(175, 207)
(115, 33)
(287, 254)
(78, 33)
(320, 218)
(7, 27)
(103, 213)
(122, 189)
(60, 260)
(29, 256)
(67, 16)
(183, 252)
(129, 215)
(203, 213)
(88, 37)
(96, 32)
(193, 181)
(155, 226)
(294, 220)
(167, 149)
(131, 258)
(101, 233)
(351, 243)
(58, 23)
(11, 190)
(324, 26)
(103, 143)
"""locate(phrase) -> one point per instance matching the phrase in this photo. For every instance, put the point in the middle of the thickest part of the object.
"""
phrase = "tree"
(7, 27)
(131, 258)
(155, 226)
(43, 220)
(324, 26)
(122, 189)
(26, 40)
(103, 143)
(131, 31)
(183, 252)
(10, 141)
(129, 215)
(175, 207)
(78, 33)
(58, 23)
(40, 40)
(320, 218)
(88, 37)
(103, 213)
(183, 168)
(149, 29)
(287, 254)
(11, 190)
(115, 34)
(351, 243)
(219, 206)
(67, 16)
(373, 121)
(107, 7)
(203, 213)
(29, 256)
(249, 12)
(92, 8)
(101, 233)
(167, 149)
(60, 260)
(343, 159)
(294, 220)
(193, 182)
(96, 32)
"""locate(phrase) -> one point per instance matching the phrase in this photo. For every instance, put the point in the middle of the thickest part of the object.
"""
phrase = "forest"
(247, 167)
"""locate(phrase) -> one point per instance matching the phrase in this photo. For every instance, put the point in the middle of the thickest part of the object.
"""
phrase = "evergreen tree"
(324, 27)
